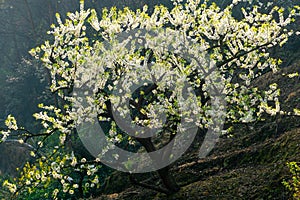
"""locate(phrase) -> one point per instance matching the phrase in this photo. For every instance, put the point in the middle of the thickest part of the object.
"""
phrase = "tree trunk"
(164, 173)
(168, 180)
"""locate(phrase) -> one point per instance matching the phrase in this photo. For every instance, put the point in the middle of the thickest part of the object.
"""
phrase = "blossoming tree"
(192, 61)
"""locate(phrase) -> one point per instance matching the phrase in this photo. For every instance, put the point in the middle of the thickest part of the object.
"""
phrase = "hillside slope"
(249, 165)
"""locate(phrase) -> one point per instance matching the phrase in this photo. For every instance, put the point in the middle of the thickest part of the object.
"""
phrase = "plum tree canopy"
(193, 64)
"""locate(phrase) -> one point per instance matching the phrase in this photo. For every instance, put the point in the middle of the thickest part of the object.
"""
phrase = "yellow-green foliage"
(294, 184)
